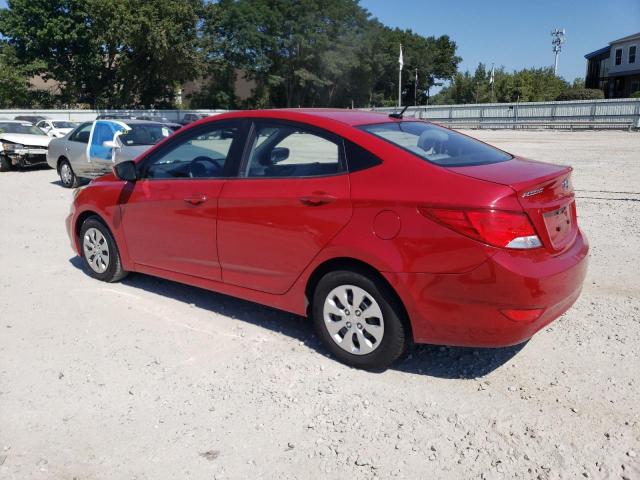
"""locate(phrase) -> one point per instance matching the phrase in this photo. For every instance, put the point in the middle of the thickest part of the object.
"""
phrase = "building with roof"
(615, 69)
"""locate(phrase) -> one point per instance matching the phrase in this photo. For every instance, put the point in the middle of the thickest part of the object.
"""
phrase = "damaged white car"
(22, 145)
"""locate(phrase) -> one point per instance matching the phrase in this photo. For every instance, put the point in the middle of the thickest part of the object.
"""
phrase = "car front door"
(290, 199)
(76, 147)
(170, 215)
(101, 155)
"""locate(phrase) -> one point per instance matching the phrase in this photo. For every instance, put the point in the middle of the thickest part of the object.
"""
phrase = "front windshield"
(65, 124)
(21, 128)
(144, 134)
(436, 144)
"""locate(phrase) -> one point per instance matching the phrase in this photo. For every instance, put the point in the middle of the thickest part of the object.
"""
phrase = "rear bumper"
(465, 309)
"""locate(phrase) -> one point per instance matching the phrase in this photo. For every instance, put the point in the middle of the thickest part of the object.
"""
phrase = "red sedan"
(382, 230)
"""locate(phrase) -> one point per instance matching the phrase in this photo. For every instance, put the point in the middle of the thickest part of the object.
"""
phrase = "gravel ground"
(149, 379)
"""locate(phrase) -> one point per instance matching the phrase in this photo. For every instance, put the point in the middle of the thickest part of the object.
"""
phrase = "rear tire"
(67, 176)
(5, 163)
(100, 253)
(359, 320)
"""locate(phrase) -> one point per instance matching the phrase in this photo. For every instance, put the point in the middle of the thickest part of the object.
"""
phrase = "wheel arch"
(61, 159)
(83, 218)
(358, 266)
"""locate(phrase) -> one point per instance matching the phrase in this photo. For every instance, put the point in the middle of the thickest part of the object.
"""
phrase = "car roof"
(347, 117)
(128, 121)
(140, 122)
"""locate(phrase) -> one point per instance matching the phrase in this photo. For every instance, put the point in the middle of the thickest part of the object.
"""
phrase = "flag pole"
(492, 80)
(401, 62)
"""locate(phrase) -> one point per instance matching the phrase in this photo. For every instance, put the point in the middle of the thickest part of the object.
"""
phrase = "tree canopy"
(126, 53)
(312, 53)
(527, 85)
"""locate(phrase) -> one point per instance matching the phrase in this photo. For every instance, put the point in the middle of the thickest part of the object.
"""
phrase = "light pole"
(557, 41)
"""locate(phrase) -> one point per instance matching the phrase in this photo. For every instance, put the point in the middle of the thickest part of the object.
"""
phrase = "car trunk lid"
(544, 191)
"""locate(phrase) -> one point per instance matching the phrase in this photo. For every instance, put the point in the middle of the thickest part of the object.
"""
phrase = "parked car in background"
(192, 117)
(22, 145)
(56, 128)
(381, 230)
(94, 147)
(130, 116)
(33, 119)
(163, 120)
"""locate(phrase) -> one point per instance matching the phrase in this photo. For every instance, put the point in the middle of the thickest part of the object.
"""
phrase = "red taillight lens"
(495, 227)
(519, 315)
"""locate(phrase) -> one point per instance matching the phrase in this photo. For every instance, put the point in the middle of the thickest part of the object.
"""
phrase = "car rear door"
(170, 215)
(290, 199)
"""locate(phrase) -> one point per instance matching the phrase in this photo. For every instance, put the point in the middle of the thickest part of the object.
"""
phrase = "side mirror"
(126, 171)
(279, 154)
(110, 144)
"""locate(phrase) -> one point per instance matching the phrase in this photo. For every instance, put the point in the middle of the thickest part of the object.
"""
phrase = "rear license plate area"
(559, 224)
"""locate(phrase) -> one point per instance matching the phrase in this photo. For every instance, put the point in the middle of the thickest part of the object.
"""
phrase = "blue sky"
(516, 33)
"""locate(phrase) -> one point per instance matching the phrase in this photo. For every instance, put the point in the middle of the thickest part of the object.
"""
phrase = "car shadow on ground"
(31, 168)
(429, 360)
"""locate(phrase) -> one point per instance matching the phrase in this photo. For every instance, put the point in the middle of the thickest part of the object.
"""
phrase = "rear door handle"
(196, 199)
(317, 199)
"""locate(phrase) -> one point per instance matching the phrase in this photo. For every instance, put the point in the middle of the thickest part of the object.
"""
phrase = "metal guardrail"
(78, 115)
(621, 113)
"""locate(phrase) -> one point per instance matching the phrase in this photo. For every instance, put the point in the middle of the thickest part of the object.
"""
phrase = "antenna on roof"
(399, 115)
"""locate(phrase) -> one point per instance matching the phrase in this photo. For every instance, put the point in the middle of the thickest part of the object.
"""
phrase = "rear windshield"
(65, 124)
(436, 144)
(144, 134)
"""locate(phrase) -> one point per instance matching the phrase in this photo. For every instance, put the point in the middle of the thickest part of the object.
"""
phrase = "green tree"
(319, 53)
(527, 85)
(14, 83)
(107, 52)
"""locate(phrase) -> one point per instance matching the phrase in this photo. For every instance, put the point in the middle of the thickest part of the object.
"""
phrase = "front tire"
(67, 176)
(100, 253)
(359, 320)
(5, 163)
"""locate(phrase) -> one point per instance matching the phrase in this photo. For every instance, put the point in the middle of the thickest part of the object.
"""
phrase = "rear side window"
(82, 133)
(436, 144)
(358, 158)
(283, 150)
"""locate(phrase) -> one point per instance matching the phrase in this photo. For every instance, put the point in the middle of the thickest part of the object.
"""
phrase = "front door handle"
(196, 199)
(317, 199)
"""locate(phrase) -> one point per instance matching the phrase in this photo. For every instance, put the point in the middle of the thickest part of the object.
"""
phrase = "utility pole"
(415, 91)
(401, 62)
(557, 41)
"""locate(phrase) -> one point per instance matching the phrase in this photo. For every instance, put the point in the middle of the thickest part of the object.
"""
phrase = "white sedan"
(56, 128)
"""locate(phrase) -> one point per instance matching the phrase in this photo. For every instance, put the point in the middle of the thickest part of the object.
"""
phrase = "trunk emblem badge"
(531, 193)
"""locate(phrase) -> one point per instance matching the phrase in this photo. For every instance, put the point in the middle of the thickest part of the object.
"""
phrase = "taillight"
(495, 227)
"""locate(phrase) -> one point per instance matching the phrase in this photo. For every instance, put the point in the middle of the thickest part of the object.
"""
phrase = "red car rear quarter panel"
(400, 185)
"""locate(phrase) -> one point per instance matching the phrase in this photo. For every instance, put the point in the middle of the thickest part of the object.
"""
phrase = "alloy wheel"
(353, 319)
(66, 174)
(96, 250)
